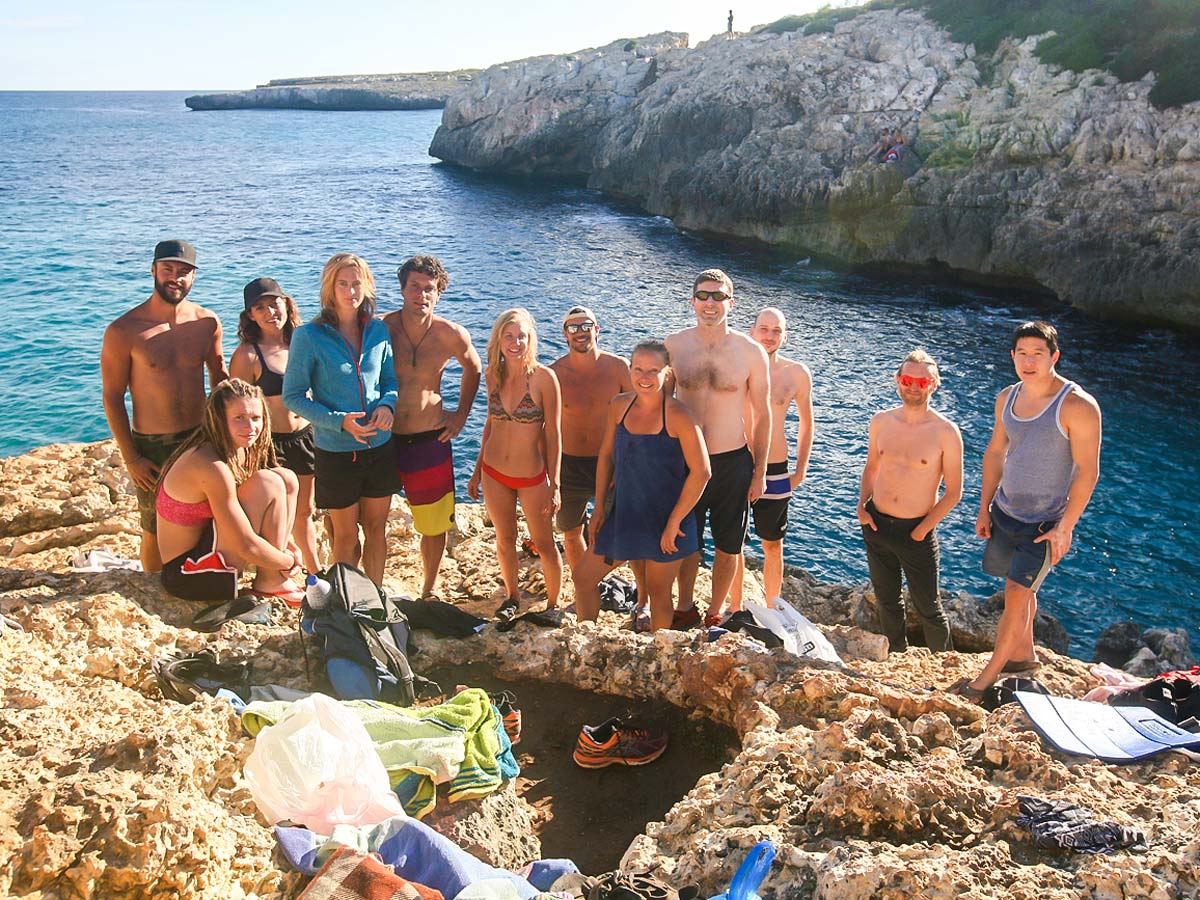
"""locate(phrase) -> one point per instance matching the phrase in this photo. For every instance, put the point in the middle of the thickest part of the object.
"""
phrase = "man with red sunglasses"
(1039, 471)
(911, 451)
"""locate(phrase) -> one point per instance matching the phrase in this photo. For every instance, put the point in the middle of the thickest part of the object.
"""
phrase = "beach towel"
(1113, 734)
(414, 851)
(352, 875)
(457, 742)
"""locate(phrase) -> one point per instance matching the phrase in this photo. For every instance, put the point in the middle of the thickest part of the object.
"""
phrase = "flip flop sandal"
(293, 597)
(963, 689)
(245, 607)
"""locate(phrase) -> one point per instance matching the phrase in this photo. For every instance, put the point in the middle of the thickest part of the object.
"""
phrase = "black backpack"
(364, 638)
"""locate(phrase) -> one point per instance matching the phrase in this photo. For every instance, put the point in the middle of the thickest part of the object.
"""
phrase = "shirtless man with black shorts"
(719, 372)
(911, 450)
(158, 352)
(589, 378)
(422, 345)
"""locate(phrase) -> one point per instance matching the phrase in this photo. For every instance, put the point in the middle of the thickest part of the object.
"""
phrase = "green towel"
(455, 742)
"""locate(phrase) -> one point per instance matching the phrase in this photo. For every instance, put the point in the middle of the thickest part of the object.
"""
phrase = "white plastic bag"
(800, 636)
(318, 768)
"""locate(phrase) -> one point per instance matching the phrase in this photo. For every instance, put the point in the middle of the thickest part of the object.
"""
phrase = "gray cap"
(175, 251)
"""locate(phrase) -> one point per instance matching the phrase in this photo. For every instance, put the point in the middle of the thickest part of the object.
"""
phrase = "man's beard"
(584, 348)
(160, 289)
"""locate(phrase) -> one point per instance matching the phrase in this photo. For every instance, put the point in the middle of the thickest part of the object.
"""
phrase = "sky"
(211, 45)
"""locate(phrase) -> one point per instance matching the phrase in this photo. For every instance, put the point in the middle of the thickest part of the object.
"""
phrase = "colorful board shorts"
(201, 574)
(771, 509)
(578, 486)
(158, 449)
(296, 450)
(425, 468)
(1011, 552)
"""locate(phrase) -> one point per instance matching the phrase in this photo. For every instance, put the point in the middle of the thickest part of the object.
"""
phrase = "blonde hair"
(336, 263)
(497, 370)
(920, 356)
(214, 431)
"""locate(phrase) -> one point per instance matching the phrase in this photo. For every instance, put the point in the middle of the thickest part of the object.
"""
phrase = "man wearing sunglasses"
(911, 450)
(1039, 471)
(588, 378)
(719, 372)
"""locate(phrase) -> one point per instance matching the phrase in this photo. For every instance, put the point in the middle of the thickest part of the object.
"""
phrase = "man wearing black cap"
(158, 352)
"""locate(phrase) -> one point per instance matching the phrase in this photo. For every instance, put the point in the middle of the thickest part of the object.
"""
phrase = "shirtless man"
(158, 352)
(1039, 471)
(791, 382)
(911, 450)
(719, 373)
(422, 345)
(589, 378)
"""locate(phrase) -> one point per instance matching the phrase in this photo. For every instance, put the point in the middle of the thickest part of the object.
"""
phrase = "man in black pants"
(911, 450)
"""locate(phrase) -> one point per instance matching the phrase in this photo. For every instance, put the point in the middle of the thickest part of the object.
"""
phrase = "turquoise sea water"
(90, 181)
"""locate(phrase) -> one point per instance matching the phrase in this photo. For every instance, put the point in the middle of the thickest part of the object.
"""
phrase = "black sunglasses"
(576, 327)
(703, 296)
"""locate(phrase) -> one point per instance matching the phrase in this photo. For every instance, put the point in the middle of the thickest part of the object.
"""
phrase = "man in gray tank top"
(1039, 471)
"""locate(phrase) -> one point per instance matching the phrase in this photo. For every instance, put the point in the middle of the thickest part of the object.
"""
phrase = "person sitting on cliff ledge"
(223, 504)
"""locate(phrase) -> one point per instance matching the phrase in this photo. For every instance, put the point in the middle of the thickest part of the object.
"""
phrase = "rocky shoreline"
(406, 90)
(870, 781)
(1016, 173)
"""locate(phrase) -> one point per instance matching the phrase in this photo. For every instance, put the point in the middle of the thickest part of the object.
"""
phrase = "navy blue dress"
(650, 471)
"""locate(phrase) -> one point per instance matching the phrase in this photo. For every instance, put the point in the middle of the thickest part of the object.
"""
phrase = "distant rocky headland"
(1015, 172)
(404, 90)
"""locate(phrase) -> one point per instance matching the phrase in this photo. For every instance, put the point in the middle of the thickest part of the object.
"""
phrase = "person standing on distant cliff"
(719, 373)
(422, 345)
(158, 352)
(729, 24)
(1039, 471)
(911, 449)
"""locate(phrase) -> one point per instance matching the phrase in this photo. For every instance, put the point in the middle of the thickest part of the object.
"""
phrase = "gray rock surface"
(415, 90)
(1019, 174)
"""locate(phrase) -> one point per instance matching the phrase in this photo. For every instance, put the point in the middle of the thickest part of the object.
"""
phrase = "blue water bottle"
(750, 873)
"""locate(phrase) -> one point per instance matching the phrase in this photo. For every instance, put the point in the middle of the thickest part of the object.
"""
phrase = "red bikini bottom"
(510, 482)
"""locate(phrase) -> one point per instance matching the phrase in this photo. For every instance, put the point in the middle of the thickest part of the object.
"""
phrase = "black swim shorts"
(345, 478)
(158, 449)
(771, 512)
(726, 499)
(295, 450)
(577, 487)
(201, 574)
(1012, 553)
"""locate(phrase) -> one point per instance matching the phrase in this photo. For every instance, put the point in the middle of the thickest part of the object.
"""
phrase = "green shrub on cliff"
(1127, 37)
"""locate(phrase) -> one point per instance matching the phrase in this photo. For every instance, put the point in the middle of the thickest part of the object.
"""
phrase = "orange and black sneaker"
(510, 716)
(683, 619)
(618, 742)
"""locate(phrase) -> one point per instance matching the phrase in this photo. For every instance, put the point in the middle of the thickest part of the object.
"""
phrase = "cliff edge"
(405, 90)
(1014, 172)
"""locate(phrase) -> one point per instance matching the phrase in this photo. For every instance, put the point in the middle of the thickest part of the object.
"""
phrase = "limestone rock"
(407, 90)
(1016, 172)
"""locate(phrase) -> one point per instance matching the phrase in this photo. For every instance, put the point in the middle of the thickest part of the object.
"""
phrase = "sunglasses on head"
(576, 327)
(718, 296)
(913, 381)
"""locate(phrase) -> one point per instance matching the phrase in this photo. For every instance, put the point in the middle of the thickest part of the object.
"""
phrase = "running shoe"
(616, 741)
(505, 702)
(685, 618)
(508, 609)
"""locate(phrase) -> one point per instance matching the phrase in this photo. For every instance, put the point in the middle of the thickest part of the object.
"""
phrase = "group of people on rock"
(343, 412)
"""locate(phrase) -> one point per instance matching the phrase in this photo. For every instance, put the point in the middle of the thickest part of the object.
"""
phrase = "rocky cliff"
(870, 781)
(412, 90)
(1014, 172)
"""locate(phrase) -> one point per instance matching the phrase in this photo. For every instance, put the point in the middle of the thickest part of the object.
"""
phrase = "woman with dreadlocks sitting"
(223, 505)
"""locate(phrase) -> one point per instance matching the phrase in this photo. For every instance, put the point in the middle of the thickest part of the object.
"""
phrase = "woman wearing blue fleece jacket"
(341, 378)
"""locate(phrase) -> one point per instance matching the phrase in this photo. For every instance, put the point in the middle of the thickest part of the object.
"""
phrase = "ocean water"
(90, 181)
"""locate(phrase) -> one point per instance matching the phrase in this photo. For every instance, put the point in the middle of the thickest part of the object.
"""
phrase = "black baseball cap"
(259, 288)
(175, 251)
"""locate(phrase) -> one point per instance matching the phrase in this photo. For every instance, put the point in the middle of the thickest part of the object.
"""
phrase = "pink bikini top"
(179, 513)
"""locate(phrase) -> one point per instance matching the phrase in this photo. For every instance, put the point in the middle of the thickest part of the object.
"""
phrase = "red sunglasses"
(912, 381)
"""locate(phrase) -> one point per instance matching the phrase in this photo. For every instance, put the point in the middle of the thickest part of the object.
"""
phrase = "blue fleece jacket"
(325, 380)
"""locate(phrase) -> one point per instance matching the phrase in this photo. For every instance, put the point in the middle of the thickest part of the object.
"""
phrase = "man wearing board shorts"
(422, 346)
(1039, 471)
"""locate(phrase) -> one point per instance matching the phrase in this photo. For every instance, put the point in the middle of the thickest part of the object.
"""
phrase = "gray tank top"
(1039, 468)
